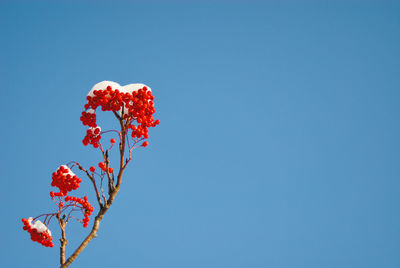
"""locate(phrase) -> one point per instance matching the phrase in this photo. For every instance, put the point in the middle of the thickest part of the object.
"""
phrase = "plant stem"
(103, 209)
(63, 239)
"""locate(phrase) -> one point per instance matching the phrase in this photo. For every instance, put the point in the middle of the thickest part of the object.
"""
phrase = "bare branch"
(63, 239)
(94, 184)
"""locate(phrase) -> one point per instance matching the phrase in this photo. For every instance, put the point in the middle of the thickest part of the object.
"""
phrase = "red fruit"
(138, 109)
(43, 238)
(92, 169)
(65, 180)
(144, 144)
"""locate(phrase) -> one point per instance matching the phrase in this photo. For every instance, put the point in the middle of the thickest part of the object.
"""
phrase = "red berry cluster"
(43, 238)
(92, 136)
(88, 118)
(133, 106)
(65, 180)
(86, 206)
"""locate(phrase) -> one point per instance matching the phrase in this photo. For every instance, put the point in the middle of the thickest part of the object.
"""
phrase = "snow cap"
(126, 89)
(69, 170)
(39, 226)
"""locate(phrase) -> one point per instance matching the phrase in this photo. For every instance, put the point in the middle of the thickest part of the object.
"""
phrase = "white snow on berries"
(126, 89)
(39, 226)
(133, 87)
(93, 130)
(103, 85)
(68, 169)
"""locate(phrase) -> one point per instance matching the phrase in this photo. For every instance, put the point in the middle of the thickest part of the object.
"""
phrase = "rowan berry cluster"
(92, 136)
(65, 180)
(88, 209)
(39, 232)
(132, 103)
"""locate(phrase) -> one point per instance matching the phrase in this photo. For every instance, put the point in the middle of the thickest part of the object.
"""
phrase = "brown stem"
(63, 239)
(107, 162)
(103, 209)
(93, 232)
(122, 153)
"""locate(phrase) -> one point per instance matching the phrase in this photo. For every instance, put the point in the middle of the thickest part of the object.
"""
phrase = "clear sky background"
(279, 137)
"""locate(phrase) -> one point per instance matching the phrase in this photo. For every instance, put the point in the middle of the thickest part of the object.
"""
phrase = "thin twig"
(91, 178)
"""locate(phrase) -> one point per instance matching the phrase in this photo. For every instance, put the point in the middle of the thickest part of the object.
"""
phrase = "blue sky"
(279, 137)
